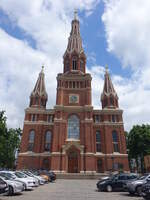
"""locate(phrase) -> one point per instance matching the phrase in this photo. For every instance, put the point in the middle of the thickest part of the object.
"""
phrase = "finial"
(106, 68)
(75, 14)
(42, 69)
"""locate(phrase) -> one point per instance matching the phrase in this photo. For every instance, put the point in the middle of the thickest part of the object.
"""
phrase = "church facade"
(73, 137)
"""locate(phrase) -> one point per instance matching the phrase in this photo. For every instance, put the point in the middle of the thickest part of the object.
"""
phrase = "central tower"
(73, 110)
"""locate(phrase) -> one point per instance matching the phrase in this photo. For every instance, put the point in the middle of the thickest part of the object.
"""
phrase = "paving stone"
(70, 190)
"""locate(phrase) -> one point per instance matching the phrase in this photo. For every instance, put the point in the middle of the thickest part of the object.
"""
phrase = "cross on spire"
(75, 14)
(106, 68)
(42, 69)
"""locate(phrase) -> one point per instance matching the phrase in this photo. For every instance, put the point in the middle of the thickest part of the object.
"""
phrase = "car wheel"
(11, 190)
(131, 193)
(109, 188)
(139, 190)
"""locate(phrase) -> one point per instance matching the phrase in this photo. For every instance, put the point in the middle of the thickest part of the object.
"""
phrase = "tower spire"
(109, 96)
(39, 95)
(74, 57)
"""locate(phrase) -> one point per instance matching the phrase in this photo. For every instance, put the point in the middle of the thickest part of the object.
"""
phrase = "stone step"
(80, 176)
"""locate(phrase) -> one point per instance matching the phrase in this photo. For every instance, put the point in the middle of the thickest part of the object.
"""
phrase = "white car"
(14, 187)
(28, 183)
(41, 180)
(35, 180)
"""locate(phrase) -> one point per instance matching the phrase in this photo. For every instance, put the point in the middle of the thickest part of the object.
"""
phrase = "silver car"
(14, 187)
(40, 180)
(135, 187)
(28, 183)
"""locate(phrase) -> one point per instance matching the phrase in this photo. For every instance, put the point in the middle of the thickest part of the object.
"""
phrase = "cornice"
(73, 108)
(97, 154)
(108, 124)
(108, 111)
(39, 111)
(72, 77)
(26, 122)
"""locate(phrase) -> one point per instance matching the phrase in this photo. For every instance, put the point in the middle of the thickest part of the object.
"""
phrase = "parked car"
(51, 175)
(35, 180)
(146, 190)
(14, 187)
(3, 186)
(28, 183)
(39, 178)
(135, 187)
(42, 175)
(115, 182)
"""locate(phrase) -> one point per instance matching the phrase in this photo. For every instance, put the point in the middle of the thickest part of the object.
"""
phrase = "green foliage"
(138, 143)
(9, 142)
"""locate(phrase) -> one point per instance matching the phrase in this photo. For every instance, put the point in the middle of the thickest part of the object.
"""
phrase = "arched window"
(74, 64)
(99, 165)
(48, 136)
(36, 101)
(46, 164)
(31, 140)
(82, 65)
(111, 101)
(67, 65)
(73, 127)
(98, 141)
(115, 141)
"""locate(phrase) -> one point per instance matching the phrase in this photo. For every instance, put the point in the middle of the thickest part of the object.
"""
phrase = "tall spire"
(109, 96)
(39, 95)
(75, 41)
(74, 57)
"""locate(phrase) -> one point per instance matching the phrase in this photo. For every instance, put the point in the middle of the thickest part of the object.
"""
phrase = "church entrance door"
(73, 162)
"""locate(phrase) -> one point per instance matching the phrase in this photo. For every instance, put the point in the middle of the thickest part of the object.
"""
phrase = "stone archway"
(73, 152)
(73, 161)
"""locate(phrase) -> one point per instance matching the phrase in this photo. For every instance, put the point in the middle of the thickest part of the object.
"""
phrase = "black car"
(50, 174)
(3, 186)
(115, 182)
(146, 190)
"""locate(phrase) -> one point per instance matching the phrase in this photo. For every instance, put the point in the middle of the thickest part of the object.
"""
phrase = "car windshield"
(20, 175)
(3, 177)
(142, 177)
(9, 176)
(29, 174)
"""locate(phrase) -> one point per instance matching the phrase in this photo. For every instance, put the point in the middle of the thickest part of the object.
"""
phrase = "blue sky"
(33, 33)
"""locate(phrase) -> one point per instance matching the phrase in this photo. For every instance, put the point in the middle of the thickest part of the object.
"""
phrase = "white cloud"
(48, 23)
(127, 26)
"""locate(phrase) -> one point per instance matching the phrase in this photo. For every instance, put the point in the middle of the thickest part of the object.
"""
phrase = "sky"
(114, 32)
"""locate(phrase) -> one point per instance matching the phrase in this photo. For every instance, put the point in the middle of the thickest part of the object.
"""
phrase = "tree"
(9, 142)
(138, 144)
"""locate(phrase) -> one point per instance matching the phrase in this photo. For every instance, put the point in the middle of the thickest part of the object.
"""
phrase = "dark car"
(146, 190)
(50, 174)
(115, 182)
(135, 187)
(3, 186)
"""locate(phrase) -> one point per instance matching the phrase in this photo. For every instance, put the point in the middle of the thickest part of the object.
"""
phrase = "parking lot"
(70, 190)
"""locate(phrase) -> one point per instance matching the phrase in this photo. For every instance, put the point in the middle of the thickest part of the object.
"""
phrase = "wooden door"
(73, 162)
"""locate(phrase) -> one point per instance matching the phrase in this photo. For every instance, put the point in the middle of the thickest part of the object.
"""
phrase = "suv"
(115, 182)
(146, 190)
(3, 186)
(135, 187)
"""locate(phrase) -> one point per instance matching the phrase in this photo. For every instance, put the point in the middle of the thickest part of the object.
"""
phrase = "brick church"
(73, 137)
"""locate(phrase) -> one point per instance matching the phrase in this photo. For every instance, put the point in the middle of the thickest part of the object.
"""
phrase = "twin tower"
(73, 137)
